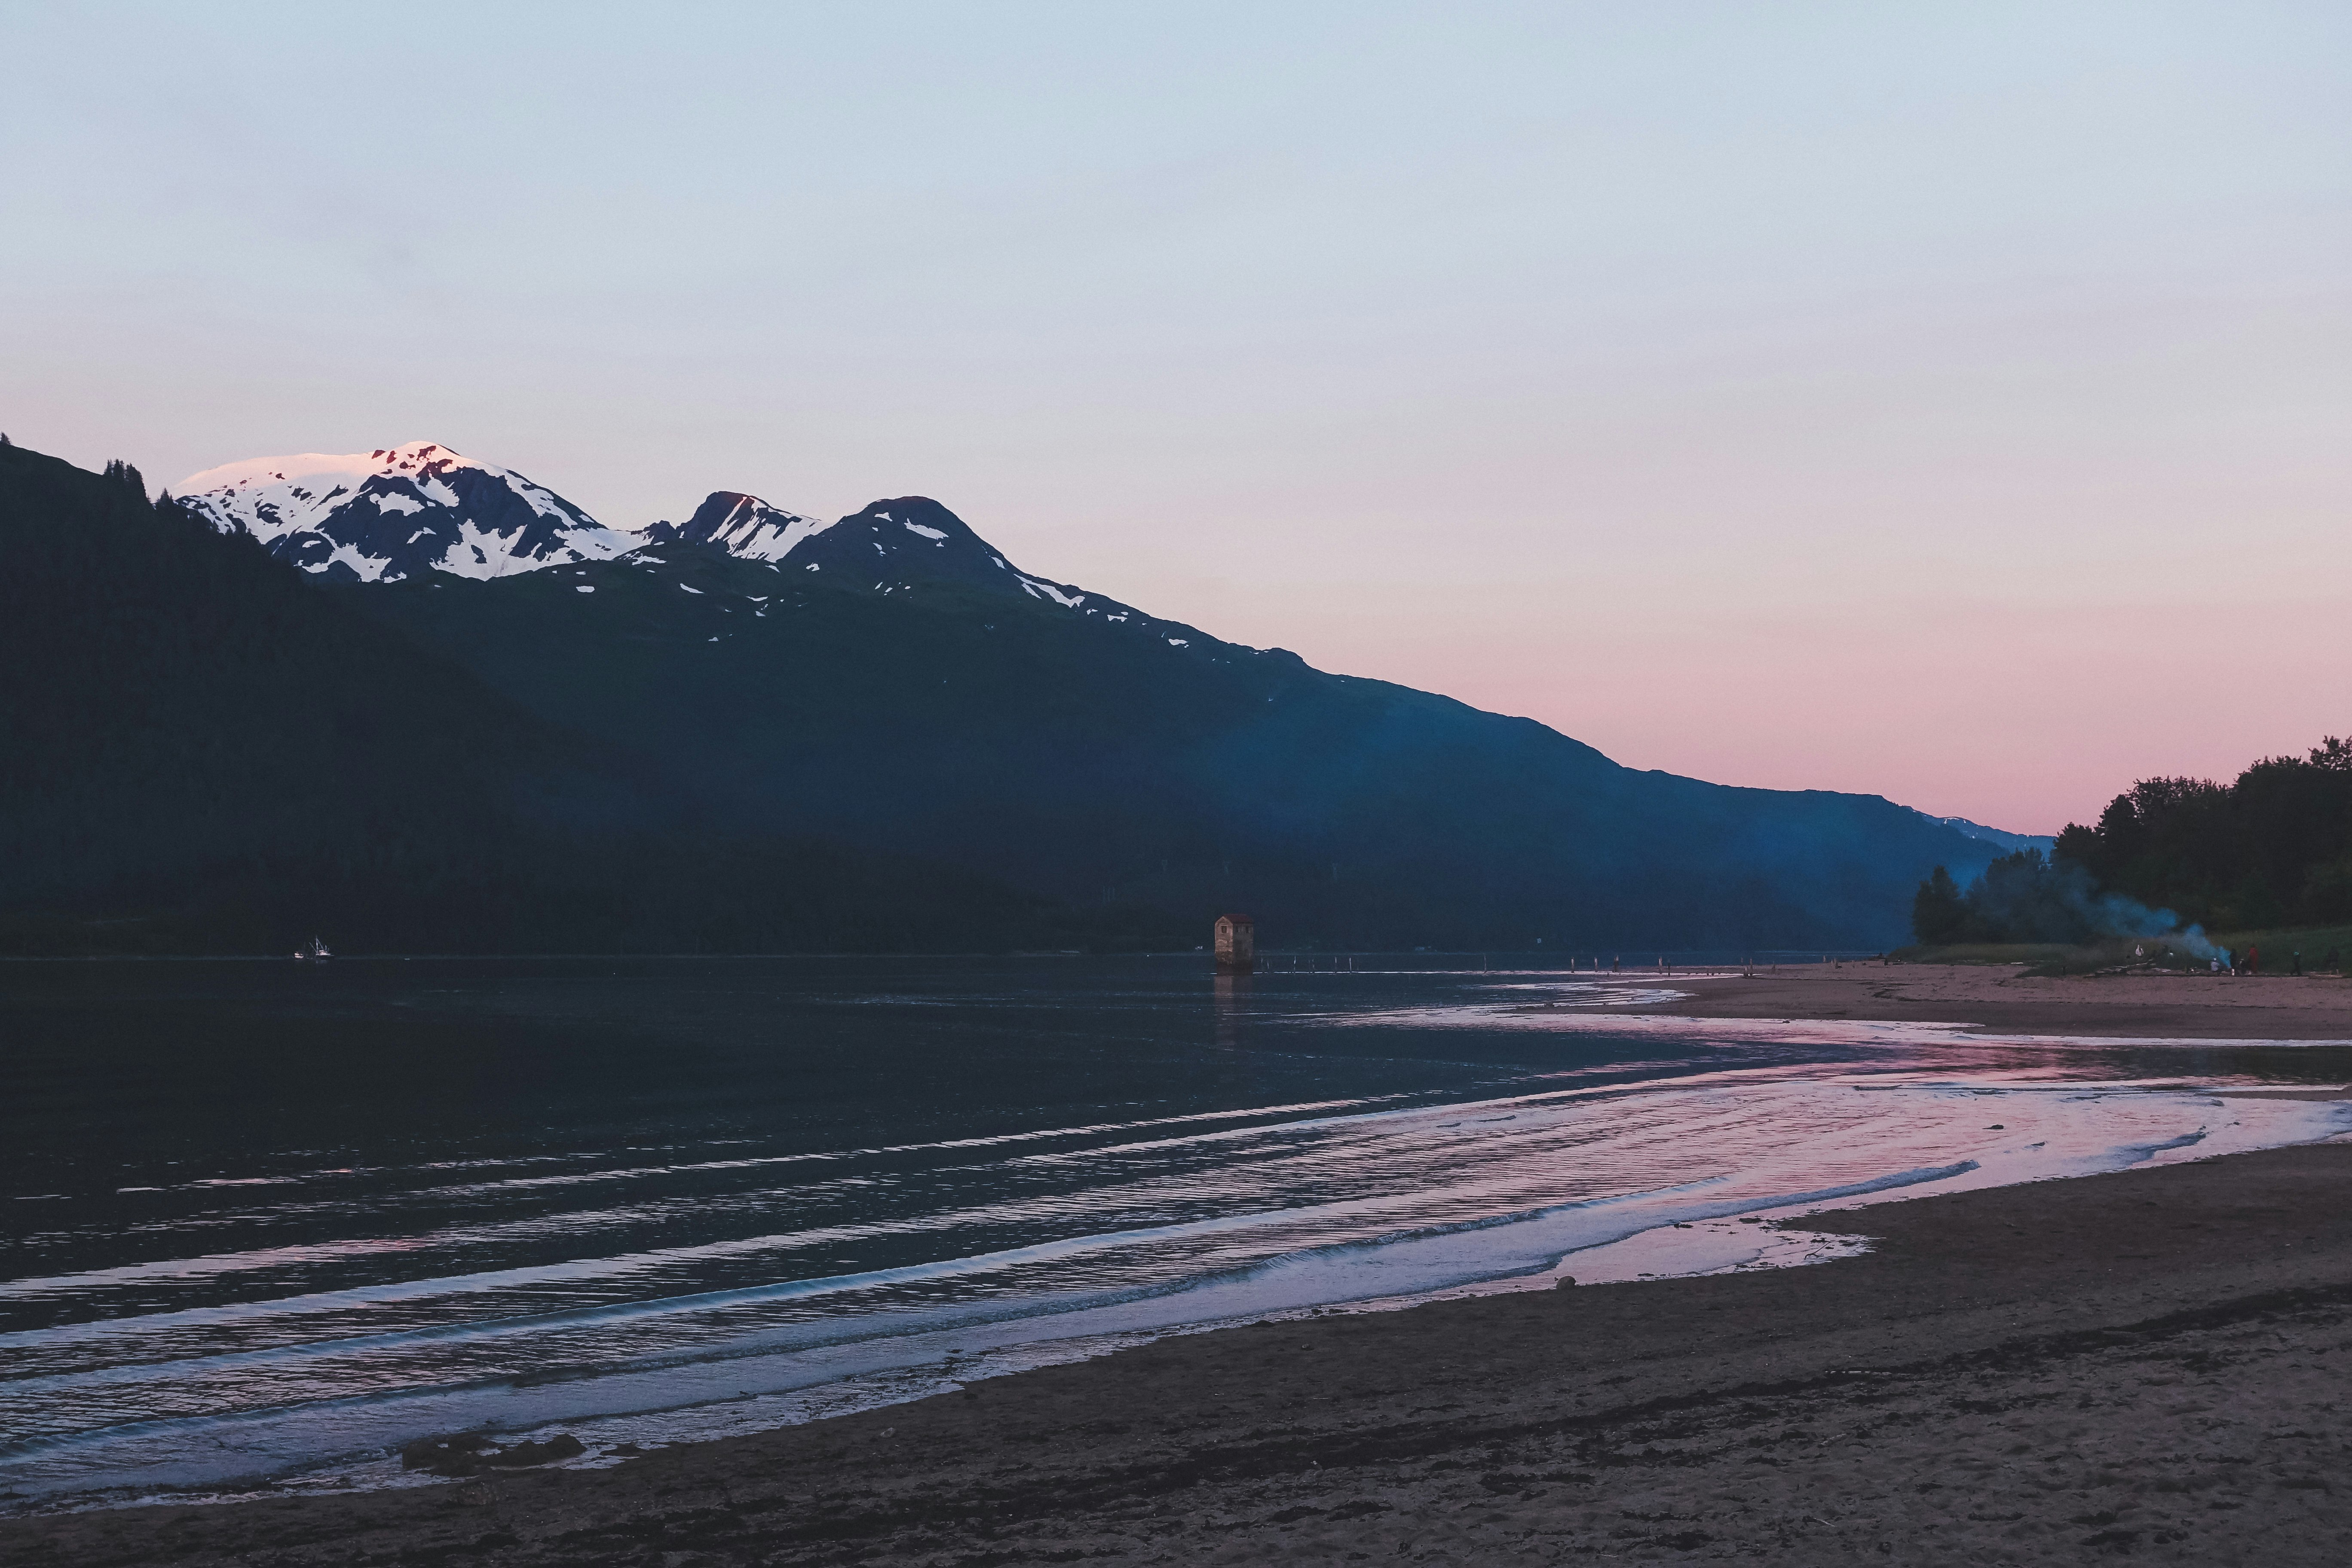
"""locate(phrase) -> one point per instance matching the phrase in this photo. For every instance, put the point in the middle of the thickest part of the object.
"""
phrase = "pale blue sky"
(1951, 402)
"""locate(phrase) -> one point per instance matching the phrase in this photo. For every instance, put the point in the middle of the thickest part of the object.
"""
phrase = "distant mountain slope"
(177, 697)
(2010, 843)
(398, 512)
(890, 680)
(891, 545)
(201, 751)
(1085, 749)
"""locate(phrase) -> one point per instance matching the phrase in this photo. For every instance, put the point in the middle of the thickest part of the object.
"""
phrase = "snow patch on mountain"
(741, 525)
(2011, 842)
(897, 546)
(399, 511)
(419, 509)
(910, 546)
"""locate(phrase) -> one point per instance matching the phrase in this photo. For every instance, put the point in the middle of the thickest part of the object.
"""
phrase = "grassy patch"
(2278, 947)
(2151, 954)
(2138, 954)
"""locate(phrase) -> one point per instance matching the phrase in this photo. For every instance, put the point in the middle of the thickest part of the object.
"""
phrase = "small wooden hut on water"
(1236, 944)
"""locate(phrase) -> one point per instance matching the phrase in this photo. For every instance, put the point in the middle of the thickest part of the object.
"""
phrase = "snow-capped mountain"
(891, 546)
(402, 511)
(381, 516)
(885, 690)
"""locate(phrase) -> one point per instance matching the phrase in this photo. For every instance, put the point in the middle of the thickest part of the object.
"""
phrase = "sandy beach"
(2004, 1000)
(2153, 1363)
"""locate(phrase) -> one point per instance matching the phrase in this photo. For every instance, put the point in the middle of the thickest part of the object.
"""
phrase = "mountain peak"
(396, 511)
(420, 507)
(905, 542)
(741, 525)
(889, 546)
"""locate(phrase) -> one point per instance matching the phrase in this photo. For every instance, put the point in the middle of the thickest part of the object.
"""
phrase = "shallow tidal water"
(267, 1222)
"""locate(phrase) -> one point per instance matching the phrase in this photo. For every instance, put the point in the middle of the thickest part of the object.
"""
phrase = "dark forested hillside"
(683, 749)
(2271, 848)
(1117, 758)
(199, 750)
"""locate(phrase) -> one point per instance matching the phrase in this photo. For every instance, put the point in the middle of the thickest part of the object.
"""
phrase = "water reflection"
(425, 1196)
(1230, 1000)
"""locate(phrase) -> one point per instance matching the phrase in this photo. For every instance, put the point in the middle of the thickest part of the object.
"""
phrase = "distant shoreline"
(2004, 999)
(1631, 970)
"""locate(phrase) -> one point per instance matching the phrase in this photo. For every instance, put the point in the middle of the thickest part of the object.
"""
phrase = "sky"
(1950, 403)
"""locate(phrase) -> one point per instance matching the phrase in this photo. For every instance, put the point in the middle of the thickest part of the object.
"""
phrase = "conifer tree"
(1938, 913)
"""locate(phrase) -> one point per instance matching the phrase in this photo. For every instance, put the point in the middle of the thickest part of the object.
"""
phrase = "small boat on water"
(315, 954)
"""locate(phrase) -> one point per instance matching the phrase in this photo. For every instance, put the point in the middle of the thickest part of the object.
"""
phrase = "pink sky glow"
(1946, 402)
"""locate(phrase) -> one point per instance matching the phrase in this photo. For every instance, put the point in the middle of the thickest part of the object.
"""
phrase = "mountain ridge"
(395, 512)
(891, 682)
(1146, 763)
(204, 750)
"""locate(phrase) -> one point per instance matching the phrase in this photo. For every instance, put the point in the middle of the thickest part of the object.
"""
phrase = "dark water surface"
(260, 1218)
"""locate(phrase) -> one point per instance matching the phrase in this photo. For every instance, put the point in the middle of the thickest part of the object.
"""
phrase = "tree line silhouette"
(200, 752)
(2270, 848)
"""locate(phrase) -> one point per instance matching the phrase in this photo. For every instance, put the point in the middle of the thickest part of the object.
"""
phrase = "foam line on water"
(1030, 1135)
(1806, 1031)
(606, 1269)
(1364, 1123)
(786, 1290)
(2089, 1128)
(1421, 1261)
(281, 1257)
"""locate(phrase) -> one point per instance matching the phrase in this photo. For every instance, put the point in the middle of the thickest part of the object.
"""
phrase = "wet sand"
(2156, 1364)
(2006, 1001)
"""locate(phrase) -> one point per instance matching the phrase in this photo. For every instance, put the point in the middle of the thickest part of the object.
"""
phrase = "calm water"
(269, 1219)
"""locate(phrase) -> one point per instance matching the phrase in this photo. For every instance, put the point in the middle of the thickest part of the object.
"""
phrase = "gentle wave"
(1810, 1143)
(713, 1266)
